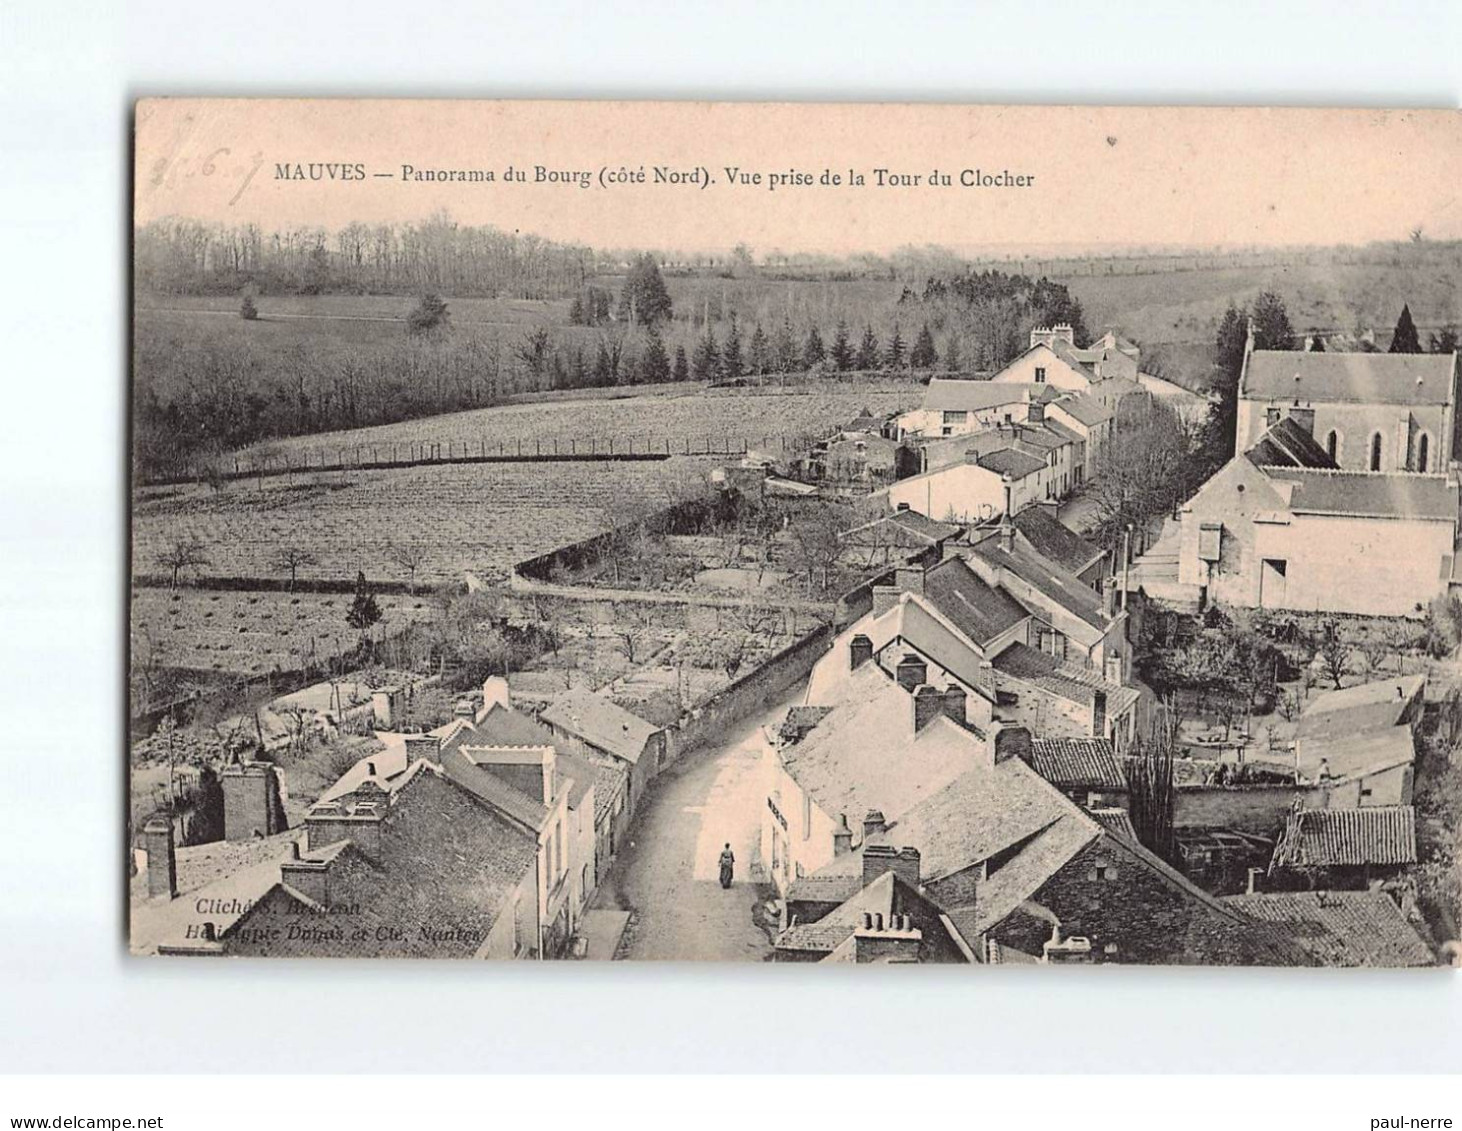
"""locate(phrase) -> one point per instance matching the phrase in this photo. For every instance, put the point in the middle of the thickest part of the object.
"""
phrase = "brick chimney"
(909, 579)
(1109, 596)
(897, 940)
(162, 862)
(873, 824)
(842, 837)
(911, 671)
(881, 858)
(251, 801)
(860, 651)
(358, 817)
(955, 703)
(1012, 742)
(928, 705)
(311, 878)
(1098, 713)
(1036, 412)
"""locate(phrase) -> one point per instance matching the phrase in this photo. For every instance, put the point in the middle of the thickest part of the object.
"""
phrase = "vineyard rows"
(482, 518)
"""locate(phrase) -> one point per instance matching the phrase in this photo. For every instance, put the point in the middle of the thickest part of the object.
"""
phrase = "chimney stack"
(842, 837)
(495, 694)
(909, 579)
(860, 651)
(928, 705)
(463, 709)
(1036, 412)
(162, 863)
(911, 672)
(1098, 713)
(873, 825)
(1012, 742)
(252, 805)
(954, 703)
(881, 858)
(899, 941)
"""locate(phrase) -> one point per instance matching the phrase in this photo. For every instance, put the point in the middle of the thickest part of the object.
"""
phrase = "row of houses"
(483, 838)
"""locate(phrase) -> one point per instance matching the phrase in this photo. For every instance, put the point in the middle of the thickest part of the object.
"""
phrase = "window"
(1423, 451)
(806, 815)
(1376, 452)
(1271, 416)
(1332, 445)
(1040, 374)
(1101, 872)
(956, 417)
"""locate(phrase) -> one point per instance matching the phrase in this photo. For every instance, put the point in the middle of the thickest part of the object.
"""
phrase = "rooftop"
(1062, 587)
(886, 896)
(601, 723)
(1287, 444)
(978, 609)
(1053, 539)
(866, 755)
(1070, 682)
(1368, 494)
(1350, 378)
(445, 870)
(1078, 762)
(1320, 838)
(1012, 462)
(1085, 409)
(945, 394)
(1341, 928)
(1379, 704)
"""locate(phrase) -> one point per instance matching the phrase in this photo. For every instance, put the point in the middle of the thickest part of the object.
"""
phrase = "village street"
(667, 869)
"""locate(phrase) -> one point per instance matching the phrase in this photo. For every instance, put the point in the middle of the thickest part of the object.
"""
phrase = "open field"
(696, 417)
(248, 634)
(482, 518)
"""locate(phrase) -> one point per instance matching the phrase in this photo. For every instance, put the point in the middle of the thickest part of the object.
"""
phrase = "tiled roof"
(1085, 409)
(1286, 444)
(1320, 838)
(865, 754)
(829, 888)
(601, 723)
(1062, 587)
(610, 780)
(953, 395)
(979, 610)
(444, 872)
(1068, 762)
(1368, 494)
(1341, 928)
(1118, 822)
(1009, 461)
(1053, 539)
(1349, 378)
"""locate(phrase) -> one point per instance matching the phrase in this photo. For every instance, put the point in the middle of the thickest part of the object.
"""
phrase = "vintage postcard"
(808, 533)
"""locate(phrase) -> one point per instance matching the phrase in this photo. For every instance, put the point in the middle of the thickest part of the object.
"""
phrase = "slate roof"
(503, 726)
(1286, 444)
(601, 723)
(1010, 461)
(887, 895)
(982, 812)
(1368, 494)
(492, 790)
(1341, 928)
(1349, 378)
(445, 871)
(1346, 711)
(823, 887)
(978, 609)
(1084, 408)
(901, 528)
(1078, 763)
(1075, 684)
(945, 394)
(1053, 539)
(865, 754)
(610, 780)
(1060, 586)
(1320, 838)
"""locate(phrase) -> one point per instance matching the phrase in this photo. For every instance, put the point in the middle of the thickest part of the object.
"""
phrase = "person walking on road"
(728, 862)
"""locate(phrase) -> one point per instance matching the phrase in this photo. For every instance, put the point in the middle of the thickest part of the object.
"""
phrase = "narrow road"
(667, 871)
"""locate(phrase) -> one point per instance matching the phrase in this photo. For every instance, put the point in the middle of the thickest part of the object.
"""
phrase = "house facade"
(1374, 412)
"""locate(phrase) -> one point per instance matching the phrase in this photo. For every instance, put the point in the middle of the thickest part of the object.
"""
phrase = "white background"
(71, 1000)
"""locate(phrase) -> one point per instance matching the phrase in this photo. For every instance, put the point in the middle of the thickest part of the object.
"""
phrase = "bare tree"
(409, 556)
(1335, 654)
(816, 536)
(290, 559)
(184, 553)
(1150, 780)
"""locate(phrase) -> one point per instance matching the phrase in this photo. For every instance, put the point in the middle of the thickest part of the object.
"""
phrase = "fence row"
(376, 457)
